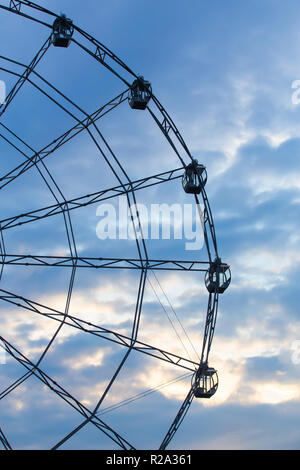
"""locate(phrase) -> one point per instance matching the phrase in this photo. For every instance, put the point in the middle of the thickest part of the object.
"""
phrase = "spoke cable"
(143, 394)
(169, 318)
(176, 315)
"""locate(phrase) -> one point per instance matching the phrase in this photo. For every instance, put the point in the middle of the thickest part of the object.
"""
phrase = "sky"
(224, 71)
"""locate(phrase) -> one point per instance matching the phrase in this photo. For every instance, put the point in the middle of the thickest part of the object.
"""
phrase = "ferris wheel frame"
(213, 267)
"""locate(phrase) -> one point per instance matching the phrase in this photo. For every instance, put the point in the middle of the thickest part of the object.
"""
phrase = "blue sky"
(224, 71)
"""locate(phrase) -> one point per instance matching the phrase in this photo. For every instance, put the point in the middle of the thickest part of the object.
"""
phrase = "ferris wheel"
(139, 97)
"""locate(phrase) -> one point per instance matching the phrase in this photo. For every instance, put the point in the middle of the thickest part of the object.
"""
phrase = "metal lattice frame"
(36, 158)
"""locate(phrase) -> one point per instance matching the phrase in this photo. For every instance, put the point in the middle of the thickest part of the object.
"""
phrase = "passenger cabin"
(218, 277)
(206, 383)
(139, 94)
(194, 178)
(62, 31)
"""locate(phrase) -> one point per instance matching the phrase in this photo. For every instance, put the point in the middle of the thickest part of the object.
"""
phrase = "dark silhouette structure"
(138, 93)
(62, 31)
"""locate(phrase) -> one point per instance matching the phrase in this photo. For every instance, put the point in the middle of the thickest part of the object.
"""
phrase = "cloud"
(226, 80)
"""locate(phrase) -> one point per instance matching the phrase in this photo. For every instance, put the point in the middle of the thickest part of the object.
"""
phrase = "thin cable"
(173, 310)
(110, 408)
(170, 320)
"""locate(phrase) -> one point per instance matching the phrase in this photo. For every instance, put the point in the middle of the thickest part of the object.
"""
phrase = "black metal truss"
(97, 330)
(46, 82)
(168, 128)
(31, 82)
(54, 190)
(133, 340)
(16, 5)
(109, 60)
(210, 324)
(178, 420)
(88, 199)
(138, 312)
(2, 252)
(101, 263)
(65, 395)
(25, 76)
(66, 209)
(166, 124)
(208, 226)
(100, 52)
(61, 140)
(4, 441)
